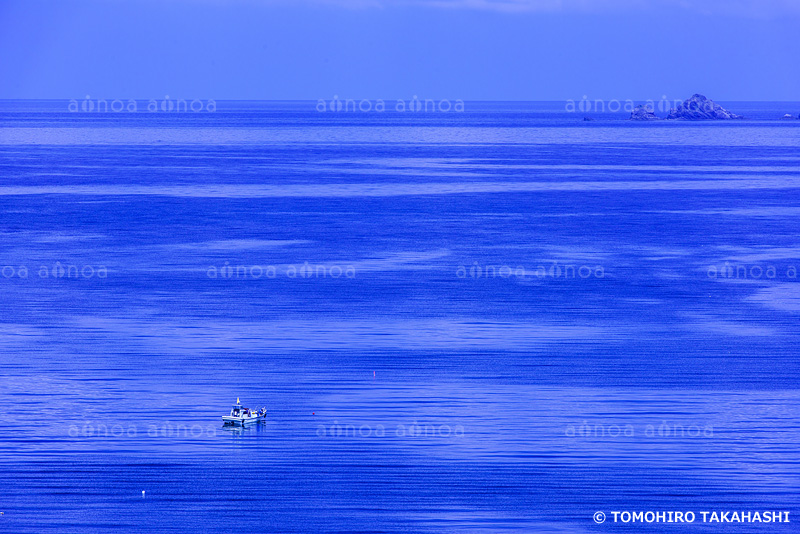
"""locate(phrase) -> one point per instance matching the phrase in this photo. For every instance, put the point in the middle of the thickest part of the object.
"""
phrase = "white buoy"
(142, 494)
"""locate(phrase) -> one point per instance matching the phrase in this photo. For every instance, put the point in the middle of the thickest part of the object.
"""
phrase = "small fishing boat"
(241, 416)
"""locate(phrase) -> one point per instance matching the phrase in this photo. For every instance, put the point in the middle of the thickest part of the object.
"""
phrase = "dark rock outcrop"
(643, 113)
(700, 108)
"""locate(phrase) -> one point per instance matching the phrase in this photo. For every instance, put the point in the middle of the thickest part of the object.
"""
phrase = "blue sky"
(454, 49)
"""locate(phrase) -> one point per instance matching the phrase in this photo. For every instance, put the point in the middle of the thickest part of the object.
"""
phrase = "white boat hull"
(242, 421)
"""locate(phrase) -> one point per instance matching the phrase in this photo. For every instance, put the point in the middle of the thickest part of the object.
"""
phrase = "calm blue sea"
(500, 320)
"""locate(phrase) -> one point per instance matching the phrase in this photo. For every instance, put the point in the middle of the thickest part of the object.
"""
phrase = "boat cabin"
(239, 411)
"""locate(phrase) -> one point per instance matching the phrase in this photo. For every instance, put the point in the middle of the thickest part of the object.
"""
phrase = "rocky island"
(698, 108)
(643, 113)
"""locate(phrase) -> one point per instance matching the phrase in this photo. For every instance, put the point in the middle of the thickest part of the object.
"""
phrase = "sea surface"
(504, 319)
